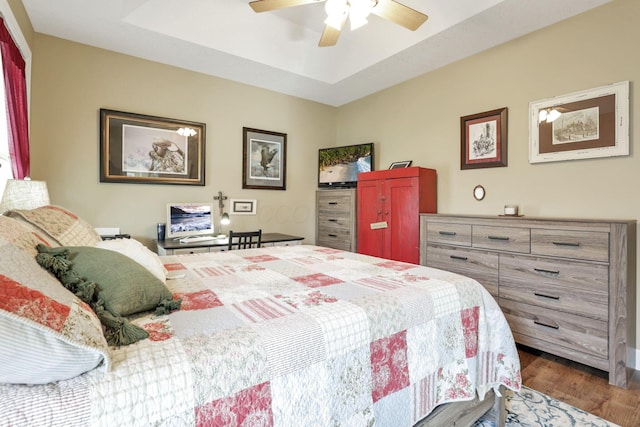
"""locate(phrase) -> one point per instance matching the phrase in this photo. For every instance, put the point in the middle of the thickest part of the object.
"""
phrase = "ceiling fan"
(356, 10)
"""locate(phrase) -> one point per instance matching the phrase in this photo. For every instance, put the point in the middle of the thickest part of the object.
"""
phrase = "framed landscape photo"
(263, 159)
(483, 140)
(141, 149)
(580, 125)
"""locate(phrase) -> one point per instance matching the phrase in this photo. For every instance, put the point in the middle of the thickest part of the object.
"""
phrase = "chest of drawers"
(336, 219)
(565, 286)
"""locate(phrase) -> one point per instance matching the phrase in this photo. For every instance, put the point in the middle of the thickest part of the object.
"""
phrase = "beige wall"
(420, 119)
(71, 82)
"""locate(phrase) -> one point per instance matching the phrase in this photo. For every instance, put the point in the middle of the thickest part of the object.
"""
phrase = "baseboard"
(633, 356)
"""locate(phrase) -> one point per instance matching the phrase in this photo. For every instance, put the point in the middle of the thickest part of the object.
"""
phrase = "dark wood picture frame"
(483, 139)
(142, 149)
(264, 155)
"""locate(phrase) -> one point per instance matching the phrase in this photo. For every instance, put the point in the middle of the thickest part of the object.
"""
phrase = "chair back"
(245, 239)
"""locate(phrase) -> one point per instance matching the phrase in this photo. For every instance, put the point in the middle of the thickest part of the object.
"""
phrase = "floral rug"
(530, 408)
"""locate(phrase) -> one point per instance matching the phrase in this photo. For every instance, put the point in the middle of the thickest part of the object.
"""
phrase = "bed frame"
(463, 414)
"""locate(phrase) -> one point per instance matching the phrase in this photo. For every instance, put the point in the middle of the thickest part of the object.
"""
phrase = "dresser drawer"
(574, 333)
(587, 245)
(335, 221)
(190, 251)
(568, 286)
(332, 203)
(331, 239)
(479, 265)
(511, 239)
(449, 233)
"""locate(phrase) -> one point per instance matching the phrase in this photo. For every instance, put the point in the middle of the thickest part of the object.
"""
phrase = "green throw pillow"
(113, 285)
(125, 286)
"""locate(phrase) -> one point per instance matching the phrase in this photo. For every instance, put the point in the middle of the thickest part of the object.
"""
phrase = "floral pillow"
(23, 235)
(66, 228)
(47, 333)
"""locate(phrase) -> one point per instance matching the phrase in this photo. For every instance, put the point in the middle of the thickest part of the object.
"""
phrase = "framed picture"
(264, 159)
(243, 207)
(140, 149)
(400, 165)
(580, 125)
(483, 140)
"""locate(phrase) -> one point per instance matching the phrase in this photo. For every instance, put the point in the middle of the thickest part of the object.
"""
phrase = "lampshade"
(24, 194)
(224, 220)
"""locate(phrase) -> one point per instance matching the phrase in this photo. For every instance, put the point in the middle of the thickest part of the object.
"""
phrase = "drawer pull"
(498, 238)
(447, 233)
(542, 270)
(545, 325)
(333, 235)
(575, 245)
(461, 258)
(333, 203)
(546, 296)
(332, 220)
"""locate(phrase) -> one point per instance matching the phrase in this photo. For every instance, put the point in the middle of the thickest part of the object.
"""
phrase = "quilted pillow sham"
(65, 227)
(22, 235)
(47, 333)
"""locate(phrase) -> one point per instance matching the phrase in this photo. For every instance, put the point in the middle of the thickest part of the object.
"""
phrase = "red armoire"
(389, 204)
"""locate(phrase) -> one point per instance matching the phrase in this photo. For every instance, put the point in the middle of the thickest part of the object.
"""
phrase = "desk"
(174, 247)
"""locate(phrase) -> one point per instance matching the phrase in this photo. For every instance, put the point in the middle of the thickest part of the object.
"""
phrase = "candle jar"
(511, 210)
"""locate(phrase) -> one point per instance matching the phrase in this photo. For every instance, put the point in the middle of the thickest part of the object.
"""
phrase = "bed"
(281, 336)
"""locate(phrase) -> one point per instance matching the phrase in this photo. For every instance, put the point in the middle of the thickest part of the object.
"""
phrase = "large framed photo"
(580, 125)
(264, 159)
(483, 140)
(141, 149)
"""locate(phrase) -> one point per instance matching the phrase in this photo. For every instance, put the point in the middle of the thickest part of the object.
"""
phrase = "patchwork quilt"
(290, 336)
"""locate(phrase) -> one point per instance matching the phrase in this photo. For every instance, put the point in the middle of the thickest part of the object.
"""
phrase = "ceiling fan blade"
(399, 14)
(267, 5)
(330, 34)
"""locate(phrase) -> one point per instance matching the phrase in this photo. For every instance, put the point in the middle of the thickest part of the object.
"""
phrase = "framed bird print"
(264, 159)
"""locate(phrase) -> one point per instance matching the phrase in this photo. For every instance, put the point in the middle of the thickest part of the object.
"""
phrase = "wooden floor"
(581, 386)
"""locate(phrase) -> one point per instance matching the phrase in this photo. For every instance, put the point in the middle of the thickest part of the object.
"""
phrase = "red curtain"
(15, 83)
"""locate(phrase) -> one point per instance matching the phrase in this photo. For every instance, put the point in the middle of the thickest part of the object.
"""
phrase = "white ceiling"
(278, 50)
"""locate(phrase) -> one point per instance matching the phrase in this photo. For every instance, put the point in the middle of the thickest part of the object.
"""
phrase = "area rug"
(530, 408)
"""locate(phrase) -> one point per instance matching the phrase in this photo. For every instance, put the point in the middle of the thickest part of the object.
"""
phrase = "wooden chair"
(245, 239)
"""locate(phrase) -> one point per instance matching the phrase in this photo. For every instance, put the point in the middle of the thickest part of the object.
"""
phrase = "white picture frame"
(591, 123)
(243, 206)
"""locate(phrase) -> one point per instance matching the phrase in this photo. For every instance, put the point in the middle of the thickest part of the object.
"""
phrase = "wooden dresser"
(336, 219)
(566, 286)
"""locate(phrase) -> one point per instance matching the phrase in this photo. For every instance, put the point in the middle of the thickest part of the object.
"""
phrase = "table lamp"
(24, 194)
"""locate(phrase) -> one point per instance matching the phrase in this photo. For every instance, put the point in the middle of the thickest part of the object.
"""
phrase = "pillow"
(66, 228)
(125, 286)
(22, 235)
(47, 333)
(137, 252)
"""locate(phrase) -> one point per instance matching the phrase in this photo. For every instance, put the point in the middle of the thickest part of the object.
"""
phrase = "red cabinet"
(389, 206)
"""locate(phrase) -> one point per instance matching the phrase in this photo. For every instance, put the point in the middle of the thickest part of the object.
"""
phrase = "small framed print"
(141, 149)
(264, 159)
(580, 125)
(483, 140)
(400, 165)
(243, 207)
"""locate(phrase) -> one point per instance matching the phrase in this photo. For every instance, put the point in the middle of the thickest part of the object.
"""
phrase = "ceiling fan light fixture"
(336, 11)
(359, 10)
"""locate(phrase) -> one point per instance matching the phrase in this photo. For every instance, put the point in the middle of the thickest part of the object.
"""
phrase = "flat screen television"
(189, 219)
(340, 166)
